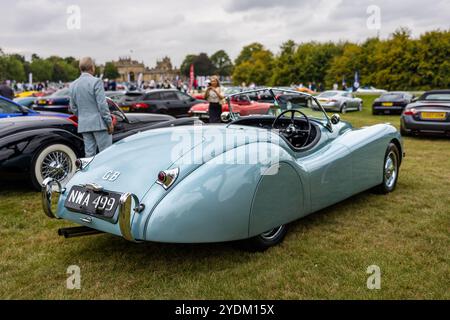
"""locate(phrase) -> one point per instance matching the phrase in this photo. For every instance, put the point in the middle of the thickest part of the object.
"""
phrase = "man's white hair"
(86, 64)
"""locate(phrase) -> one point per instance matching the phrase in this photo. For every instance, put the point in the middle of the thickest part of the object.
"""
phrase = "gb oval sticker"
(111, 175)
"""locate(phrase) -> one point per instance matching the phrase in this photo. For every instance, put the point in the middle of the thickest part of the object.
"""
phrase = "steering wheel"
(292, 131)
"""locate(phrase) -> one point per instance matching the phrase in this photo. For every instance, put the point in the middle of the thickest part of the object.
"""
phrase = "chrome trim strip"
(125, 212)
(86, 220)
(94, 187)
(46, 196)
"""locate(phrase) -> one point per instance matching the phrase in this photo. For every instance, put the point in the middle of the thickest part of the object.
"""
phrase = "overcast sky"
(148, 30)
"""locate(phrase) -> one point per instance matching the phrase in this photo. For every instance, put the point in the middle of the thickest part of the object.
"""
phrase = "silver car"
(341, 101)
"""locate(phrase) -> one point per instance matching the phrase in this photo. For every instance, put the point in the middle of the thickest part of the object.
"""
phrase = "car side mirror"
(335, 119)
(414, 99)
(225, 117)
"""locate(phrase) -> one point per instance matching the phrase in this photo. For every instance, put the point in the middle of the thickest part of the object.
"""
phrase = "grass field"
(324, 256)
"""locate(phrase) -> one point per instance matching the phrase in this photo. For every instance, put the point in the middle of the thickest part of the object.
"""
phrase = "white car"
(370, 89)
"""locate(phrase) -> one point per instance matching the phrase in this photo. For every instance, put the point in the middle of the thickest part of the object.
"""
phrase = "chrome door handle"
(86, 220)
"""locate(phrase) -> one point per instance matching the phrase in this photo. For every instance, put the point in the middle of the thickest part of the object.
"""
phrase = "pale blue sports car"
(244, 180)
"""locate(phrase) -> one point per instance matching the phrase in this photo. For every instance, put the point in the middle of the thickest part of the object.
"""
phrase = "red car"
(241, 105)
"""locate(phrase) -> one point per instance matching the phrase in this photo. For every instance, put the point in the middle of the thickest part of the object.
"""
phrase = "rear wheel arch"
(397, 143)
(261, 218)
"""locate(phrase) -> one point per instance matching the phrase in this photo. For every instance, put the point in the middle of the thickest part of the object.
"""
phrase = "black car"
(391, 102)
(57, 102)
(41, 146)
(164, 101)
(430, 114)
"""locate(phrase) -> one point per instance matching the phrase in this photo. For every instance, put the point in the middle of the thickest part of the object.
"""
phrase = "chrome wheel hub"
(56, 165)
(390, 170)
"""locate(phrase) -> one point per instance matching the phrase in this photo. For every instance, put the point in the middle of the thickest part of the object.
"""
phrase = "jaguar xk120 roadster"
(245, 180)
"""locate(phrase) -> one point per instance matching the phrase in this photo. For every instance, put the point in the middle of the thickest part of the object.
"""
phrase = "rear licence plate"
(83, 200)
(42, 102)
(434, 115)
(125, 109)
(387, 104)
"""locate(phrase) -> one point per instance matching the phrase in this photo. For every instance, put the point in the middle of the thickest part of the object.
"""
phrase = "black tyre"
(374, 112)
(404, 133)
(265, 240)
(391, 170)
(344, 109)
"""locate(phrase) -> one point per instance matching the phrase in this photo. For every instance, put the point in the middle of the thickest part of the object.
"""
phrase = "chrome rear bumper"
(47, 194)
(125, 212)
(126, 208)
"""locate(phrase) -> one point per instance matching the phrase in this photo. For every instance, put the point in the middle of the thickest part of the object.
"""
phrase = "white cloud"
(153, 29)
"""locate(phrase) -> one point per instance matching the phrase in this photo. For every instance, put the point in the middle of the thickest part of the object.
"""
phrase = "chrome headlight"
(167, 178)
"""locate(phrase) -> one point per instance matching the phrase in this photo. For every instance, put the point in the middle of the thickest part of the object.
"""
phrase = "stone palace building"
(129, 70)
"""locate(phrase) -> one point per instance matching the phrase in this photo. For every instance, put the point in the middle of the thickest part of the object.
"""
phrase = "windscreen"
(328, 94)
(391, 96)
(436, 97)
(61, 93)
(275, 101)
(130, 97)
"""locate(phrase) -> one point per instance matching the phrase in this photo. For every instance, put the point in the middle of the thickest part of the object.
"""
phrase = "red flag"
(192, 76)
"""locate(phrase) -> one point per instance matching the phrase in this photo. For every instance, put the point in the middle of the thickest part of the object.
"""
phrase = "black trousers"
(215, 110)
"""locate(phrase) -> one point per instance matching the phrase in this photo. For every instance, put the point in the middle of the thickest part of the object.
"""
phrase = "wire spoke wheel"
(56, 165)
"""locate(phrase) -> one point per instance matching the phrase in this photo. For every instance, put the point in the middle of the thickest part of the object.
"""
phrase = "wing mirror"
(225, 117)
(335, 119)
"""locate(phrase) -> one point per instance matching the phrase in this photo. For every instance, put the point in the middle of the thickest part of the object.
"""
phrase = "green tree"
(255, 68)
(344, 66)
(42, 69)
(433, 52)
(247, 52)
(63, 71)
(396, 64)
(203, 65)
(283, 74)
(222, 63)
(11, 68)
(312, 60)
(110, 71)
(185, 67)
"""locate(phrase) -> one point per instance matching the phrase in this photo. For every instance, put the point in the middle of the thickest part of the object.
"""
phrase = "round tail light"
(162, 176)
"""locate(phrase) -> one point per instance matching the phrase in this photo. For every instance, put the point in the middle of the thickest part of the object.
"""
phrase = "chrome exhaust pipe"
(77, 232)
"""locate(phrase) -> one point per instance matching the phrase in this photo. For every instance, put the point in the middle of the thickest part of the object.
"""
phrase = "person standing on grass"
(88, 103)
(214, 96)
(6, 91)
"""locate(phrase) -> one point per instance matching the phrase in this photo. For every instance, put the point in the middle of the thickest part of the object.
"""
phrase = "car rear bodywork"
(391, 102)
(426, 117)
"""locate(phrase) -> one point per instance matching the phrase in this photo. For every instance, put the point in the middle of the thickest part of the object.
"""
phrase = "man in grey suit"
(88, 103)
